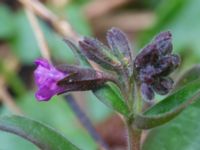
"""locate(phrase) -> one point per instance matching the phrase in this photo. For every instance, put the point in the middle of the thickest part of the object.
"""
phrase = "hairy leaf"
(170, 107)
(181, 133)
(42, 136)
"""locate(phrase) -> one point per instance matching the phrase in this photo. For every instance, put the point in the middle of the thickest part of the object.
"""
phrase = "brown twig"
(61, 26)
(38, 33)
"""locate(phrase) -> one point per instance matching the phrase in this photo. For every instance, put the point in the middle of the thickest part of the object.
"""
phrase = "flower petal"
(46, 78)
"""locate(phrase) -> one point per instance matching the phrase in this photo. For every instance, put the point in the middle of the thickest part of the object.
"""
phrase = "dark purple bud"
(147, 92)
(148, 55)
(119, 43)
(164, 42)
(163, 86)
(167, 64)
(147, 74)
(46, 77)
(82, 79)
(163, 36)
(99, 53)
(121, 48)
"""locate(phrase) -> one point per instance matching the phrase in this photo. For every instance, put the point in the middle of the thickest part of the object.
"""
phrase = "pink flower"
(54, 80)
(46, 78)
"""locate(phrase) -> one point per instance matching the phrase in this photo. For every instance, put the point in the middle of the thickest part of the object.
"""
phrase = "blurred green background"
(140, 19)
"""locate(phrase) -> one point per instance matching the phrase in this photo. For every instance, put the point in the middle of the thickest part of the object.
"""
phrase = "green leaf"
(42, 136)
(170, 107)
(112, 98)
(61, 118)
(181, 133)
(189, 76)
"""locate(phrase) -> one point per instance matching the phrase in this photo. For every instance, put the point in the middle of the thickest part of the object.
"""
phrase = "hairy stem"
(134, 137)
(134, 134)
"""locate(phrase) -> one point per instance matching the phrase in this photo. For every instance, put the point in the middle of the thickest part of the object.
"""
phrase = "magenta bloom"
(46, 78)
(54, 80)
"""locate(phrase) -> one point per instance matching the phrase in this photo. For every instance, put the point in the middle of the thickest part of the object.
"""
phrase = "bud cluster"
(153, 65)
(117, 56)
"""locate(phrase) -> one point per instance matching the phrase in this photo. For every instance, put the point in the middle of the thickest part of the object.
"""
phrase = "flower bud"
(163, 86)
(147, 92)
(167, 64)
(82, 79)
(147, 74)
(119, 44)
(148, 55)
(163, 42)
(99, 53)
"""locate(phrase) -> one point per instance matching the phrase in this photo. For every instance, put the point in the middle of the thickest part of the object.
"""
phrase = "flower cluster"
(150, 68)
(153, 65)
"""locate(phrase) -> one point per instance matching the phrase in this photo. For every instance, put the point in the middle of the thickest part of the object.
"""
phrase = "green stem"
(134, 137)
(138, 104)
(134, 134)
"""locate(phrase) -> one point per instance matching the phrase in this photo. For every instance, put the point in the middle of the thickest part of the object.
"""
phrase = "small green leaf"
(110, 97)
(189, 76)
(170, 107)
(42, 136)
